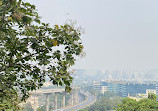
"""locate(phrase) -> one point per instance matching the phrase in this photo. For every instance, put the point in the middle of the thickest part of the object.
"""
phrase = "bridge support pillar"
(76, 98)
(47, 102)
(72, 98)
(34, 109)
(63, 99)
(56, 101)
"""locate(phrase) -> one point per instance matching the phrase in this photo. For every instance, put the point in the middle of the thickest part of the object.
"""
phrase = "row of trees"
(31, 50)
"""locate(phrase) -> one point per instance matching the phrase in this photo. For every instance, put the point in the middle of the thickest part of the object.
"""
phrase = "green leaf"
(60, 83)
(28, 4)
(37, 20)
(0, 2)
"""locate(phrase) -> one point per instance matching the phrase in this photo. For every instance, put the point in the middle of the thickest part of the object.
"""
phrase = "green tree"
(31, 50)
(148, 104)
(152, 96)
(127, 105)
(9, 100)
(104, 104)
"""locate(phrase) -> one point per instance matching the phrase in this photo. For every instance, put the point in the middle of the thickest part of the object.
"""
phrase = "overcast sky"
(119, 34)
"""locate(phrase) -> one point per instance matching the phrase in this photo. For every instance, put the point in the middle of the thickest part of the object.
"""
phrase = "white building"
(46, 84)
(150, 91)
(141, 96)
(104, 89)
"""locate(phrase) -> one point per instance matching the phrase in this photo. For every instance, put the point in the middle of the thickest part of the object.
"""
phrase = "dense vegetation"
(30, 50)
(148, 104)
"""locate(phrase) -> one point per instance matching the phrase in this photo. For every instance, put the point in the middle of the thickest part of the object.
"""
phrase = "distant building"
(135, 98)
(138, 88)
(122, 89)
(115, 86)
(141, 96)
(47, 84)
(151, 91)
(157, 90)
(103, 89)
(96, 85)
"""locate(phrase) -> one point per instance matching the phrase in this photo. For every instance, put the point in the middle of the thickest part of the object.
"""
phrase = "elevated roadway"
(90, 99)
(47, 91)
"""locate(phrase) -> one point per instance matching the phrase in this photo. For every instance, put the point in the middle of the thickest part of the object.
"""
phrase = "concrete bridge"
(47, 92)
(89, 100)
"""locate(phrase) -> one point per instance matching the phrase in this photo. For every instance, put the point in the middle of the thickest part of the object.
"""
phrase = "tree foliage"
(9, 100)
(152, 96)
(31, 50)
(104, 104)
(148, 104)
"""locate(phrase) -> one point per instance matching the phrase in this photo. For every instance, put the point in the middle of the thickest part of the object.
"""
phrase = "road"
(90, 99)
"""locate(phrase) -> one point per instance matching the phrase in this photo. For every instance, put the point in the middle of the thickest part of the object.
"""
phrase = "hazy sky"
(119, 34)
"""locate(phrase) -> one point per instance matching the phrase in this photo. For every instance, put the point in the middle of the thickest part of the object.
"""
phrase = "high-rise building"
(115, 86)
(122, 89)
(137, 88)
